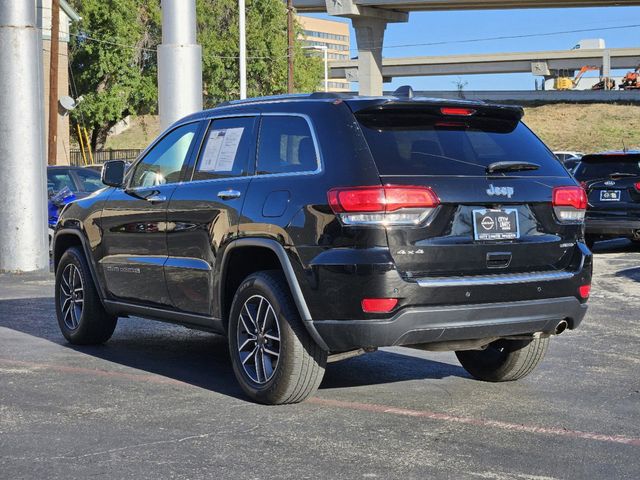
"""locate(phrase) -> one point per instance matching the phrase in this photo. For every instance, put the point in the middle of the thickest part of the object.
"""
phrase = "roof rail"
(321, 95)
(266, 98)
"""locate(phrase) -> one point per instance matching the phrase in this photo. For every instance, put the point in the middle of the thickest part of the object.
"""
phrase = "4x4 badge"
(506, 191)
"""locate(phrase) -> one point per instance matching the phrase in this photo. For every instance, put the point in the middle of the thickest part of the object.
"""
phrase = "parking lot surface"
(160, 401)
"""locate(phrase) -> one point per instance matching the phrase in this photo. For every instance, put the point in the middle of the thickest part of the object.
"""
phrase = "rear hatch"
(612, 182)
(494, 181)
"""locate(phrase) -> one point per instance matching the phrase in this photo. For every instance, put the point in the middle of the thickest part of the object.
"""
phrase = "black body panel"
(166, 251)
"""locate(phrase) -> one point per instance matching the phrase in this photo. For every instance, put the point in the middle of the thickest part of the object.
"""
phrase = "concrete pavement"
(161, 401)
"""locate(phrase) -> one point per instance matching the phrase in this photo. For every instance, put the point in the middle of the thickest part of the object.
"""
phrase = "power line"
(83, 37)
(86, 37)
(504, 37)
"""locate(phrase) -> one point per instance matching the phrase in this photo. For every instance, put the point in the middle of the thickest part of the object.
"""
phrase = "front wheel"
(81, 316)
(273, 357)
(504, 360)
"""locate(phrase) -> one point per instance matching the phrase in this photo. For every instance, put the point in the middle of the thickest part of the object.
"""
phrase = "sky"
(427, 27)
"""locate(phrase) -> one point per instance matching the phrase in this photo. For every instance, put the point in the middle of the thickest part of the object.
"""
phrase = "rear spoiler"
(440, 107)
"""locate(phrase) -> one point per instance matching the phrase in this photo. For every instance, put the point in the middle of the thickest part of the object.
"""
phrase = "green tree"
(113, 62)
(266, 51)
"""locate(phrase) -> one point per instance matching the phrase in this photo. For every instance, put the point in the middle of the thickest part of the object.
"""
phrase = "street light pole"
(326, 68)
(243, 50)
(325, 55)
(290, 85)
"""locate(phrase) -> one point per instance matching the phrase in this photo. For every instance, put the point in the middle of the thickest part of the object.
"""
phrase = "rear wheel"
(590, 240)
(81, 316)
(273, 357)
(504, 360)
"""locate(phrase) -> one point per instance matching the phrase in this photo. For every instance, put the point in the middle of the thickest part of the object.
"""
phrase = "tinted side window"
(89, 180)
(227, 147)
(286, 146)
(164, 162)
(58, 179)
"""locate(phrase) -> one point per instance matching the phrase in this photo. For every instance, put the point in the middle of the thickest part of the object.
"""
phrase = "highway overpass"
(370, 17)
(439, 5)
(544, 63)
(539, 97)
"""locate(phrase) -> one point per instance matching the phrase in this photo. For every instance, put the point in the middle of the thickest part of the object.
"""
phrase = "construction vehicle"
(631, 81)
(565, 82)
(601, 84)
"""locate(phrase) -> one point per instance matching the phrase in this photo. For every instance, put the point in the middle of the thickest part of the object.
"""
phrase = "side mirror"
(113, 173)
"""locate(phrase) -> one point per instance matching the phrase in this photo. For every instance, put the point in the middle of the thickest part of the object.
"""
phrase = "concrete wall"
(63, 75)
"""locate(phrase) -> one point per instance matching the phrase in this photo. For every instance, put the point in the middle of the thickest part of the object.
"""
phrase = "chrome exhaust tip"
(561, 327)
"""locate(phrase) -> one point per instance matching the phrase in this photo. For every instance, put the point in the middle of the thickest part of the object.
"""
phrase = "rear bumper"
(460, 322)
(622, 227)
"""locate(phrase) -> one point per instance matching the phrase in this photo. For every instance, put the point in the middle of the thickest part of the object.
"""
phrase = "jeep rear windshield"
(596, 167)
(422, 144)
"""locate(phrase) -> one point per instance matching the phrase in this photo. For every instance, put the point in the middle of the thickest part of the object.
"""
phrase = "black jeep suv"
(309, 228)
(612, 183)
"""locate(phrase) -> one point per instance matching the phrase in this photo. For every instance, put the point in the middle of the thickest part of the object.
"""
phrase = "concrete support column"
(23, 186)
(606, 68)
(179, 62)
(370, 38)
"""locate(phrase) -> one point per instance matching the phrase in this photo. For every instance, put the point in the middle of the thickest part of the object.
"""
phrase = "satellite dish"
(67, 104)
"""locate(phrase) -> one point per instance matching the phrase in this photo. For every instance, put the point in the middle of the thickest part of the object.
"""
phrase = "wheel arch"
(67, 238)
(278, 258)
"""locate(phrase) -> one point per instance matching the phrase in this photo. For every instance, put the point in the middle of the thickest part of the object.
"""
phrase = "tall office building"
(335, 36)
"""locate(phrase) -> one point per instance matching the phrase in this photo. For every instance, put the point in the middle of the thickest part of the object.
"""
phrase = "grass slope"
(586, 128)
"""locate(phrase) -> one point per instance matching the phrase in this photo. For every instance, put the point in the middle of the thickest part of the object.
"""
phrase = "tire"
(590, 241)
(296, 371)
(504, 360)
(81, 317)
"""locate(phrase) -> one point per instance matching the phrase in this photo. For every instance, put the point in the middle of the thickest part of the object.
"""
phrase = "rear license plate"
(609, 195)
(502, 224)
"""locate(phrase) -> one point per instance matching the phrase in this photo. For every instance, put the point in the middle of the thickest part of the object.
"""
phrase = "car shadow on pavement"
(198, 358)
(386, 367)
(617, 245)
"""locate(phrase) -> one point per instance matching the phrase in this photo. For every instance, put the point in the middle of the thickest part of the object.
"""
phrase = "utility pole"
(23, 187)
(179, 62)
(53, 83)
(243, 50)
(290, 46)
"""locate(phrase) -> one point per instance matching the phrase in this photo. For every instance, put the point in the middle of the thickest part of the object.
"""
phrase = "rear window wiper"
(511, 167)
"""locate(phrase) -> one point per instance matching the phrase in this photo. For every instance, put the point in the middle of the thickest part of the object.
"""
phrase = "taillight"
(378, 305)
(569, 204)
(637, 185)
(383, 205)
(584, 291)
(461, 112)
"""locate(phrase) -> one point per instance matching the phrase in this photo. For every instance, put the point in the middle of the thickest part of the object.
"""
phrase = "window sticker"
(221, 149)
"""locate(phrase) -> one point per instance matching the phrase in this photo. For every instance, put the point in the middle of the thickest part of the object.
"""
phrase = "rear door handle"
(156, 198)
(229, 194)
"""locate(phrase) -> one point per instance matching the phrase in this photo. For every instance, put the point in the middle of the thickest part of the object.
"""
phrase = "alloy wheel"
(258, 337)
(71, 296)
